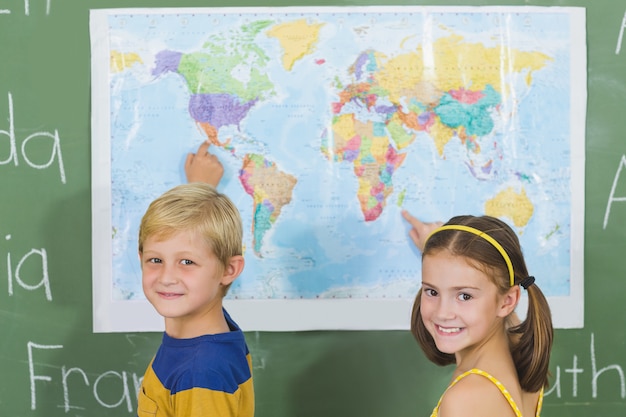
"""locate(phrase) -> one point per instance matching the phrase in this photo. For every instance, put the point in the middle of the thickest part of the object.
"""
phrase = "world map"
(330, 121)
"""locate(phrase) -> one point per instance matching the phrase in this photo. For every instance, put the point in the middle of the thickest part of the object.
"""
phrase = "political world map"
(330, 121)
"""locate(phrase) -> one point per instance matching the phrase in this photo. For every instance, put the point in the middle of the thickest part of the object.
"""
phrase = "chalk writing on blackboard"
(612, 197)
(592, 376)
(26, 145)
(31, 370)
(35, 259)
(129, 381)
(598, 378)
(621, 35)
(27, 8)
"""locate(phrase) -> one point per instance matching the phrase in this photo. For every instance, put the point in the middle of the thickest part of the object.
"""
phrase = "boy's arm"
(203, 166)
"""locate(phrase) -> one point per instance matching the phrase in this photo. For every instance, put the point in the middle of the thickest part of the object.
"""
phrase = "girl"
(472, 270)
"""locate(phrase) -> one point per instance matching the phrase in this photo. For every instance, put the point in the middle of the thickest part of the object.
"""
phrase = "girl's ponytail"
(532, 342)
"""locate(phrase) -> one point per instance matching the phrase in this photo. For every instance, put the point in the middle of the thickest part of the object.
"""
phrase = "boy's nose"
(167, 276)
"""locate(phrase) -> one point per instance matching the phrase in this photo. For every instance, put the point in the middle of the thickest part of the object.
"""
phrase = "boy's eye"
(464, 297)
(154, 260)
(186, 262)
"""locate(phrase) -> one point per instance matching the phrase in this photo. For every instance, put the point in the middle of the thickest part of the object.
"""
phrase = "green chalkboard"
(53, 364)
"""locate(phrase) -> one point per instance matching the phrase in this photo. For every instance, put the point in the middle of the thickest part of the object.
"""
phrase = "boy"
(190, 248)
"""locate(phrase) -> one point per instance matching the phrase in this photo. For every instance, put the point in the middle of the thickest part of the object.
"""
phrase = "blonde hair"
(199, 208)
(531, 340)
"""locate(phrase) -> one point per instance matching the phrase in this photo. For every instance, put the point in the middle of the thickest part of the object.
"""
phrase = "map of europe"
(330, 121)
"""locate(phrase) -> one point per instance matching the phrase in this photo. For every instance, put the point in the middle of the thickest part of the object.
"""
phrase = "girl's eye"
(154, 261)
(430, 292)
(464, 297)
(186, 262)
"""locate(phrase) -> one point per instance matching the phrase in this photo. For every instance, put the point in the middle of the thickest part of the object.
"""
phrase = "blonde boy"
(190, 248)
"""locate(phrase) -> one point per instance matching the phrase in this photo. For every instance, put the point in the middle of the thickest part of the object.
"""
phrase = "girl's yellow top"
(498, 384)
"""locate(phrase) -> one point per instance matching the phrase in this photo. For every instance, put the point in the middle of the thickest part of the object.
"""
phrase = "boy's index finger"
(204, 147)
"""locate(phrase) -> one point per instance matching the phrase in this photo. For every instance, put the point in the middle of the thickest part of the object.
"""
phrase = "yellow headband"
(485, 236)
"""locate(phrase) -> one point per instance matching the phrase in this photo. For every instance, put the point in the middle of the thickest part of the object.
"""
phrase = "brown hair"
(531, 340)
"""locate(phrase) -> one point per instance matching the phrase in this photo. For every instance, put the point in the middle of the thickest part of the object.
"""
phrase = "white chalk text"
(591, 377)
(9, 154)
(27, 7)
(128, 383)
(34, 259)
(612, 197)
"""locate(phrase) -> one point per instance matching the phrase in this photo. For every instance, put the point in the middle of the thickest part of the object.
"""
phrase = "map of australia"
(330, 122)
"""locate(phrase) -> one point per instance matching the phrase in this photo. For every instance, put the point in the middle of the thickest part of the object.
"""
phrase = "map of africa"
(330, 121)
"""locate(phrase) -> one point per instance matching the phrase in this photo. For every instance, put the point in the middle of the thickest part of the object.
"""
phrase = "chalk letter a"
(612, 197)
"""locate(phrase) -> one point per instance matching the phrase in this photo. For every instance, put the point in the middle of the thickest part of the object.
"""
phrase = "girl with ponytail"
(473, 272)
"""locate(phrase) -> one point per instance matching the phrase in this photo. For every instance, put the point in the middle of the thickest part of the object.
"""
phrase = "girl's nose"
(445, 309)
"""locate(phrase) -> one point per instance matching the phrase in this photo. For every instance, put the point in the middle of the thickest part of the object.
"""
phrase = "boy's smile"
(168, 295)
(182, 279)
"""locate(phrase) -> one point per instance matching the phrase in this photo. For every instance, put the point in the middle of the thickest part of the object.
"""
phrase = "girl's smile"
(449, 330)
(459, 304)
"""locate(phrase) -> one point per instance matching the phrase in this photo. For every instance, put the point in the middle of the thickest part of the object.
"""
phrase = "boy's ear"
(232, 270)
(509, 301)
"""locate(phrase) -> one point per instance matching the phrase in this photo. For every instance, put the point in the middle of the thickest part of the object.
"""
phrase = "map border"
(296, 315)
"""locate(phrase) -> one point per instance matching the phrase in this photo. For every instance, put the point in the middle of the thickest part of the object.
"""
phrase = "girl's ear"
(233, 269)
(509, 301)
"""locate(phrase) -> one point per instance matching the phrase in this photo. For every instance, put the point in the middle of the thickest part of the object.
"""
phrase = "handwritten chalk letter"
(16, 274)
(31, 371)
(13, 156)
(612, 197)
